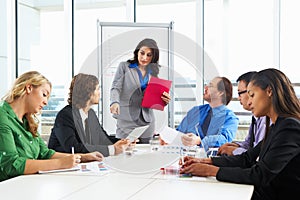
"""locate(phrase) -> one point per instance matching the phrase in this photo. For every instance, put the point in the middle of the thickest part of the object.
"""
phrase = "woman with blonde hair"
(22, 150)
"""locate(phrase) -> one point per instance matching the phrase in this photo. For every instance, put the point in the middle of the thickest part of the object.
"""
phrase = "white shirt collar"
(83, 116)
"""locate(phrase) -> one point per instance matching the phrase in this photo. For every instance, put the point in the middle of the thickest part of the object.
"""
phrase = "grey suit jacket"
(126, 91)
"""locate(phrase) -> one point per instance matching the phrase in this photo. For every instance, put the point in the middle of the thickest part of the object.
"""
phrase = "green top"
(17, 144)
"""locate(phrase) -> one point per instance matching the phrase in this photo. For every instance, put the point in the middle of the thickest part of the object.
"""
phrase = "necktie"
(206, 122)
(252, 134)
(87, 131)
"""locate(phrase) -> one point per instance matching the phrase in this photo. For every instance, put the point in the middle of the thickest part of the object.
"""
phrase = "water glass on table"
(128, 150)
(154, 144)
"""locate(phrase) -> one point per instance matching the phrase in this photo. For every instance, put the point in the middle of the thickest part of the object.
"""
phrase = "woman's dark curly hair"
(81, 89)
(150, 43)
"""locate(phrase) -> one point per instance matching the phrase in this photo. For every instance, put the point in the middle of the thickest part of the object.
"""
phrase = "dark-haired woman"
(273, 165)
(128, 88)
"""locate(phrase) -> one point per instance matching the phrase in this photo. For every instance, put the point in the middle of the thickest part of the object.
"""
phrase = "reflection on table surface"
(98, 180)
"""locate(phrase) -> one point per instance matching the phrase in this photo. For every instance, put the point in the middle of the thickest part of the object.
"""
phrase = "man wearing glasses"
(257, 127)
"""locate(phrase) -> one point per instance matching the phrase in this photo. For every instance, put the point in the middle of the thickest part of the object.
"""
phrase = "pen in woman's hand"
(77, 157)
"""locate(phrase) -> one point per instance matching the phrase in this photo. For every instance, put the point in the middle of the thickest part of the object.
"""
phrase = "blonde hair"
(35, 79)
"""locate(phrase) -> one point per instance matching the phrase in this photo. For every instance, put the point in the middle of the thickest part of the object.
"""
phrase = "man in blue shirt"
(216, 128)
(257, 127)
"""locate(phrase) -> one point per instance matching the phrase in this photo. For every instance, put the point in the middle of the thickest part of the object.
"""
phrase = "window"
(238, 36)
(289, 40)
(7, 44)
(42, 46)
(85, 29)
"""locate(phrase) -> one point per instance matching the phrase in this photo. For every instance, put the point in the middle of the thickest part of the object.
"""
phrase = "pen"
(182, 156)
(182, 161)
(72, 149)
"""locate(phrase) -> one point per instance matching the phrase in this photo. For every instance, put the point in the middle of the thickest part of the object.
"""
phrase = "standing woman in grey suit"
(77, 124)
(127, 91)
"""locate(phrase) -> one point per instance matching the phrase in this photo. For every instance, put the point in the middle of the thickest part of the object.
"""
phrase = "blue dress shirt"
(222, 127)
(143, 80)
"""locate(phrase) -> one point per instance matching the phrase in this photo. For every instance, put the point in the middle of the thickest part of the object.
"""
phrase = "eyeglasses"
(242, 92)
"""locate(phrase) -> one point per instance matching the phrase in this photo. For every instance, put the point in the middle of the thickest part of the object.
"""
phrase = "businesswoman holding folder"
(272, 166)
(22, 150)
(128, 88)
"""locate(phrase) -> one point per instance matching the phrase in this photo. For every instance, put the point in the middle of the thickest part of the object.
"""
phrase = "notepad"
(152, 96)
(59, 170)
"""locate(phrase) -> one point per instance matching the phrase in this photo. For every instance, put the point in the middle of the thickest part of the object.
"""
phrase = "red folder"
(152, 96)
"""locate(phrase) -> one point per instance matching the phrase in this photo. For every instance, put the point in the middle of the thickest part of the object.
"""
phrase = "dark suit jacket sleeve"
(277, 158)
(100, 139)
(237, 164)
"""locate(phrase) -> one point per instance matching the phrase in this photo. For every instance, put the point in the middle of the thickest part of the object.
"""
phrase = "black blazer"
(68, 132)
(276, 173)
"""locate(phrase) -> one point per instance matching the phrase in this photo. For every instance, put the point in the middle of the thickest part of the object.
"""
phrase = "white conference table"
(114, 184)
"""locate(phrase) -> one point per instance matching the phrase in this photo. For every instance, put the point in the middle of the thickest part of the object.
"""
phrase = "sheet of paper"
(171, 136)
(136, 133)
(94, 167)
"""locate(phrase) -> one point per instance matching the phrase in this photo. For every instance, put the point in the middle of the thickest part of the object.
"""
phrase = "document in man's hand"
(152, 97)
(171, 136)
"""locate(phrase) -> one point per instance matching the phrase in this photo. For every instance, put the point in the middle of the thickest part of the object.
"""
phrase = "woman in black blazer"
(77, 124)
(273, 166)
